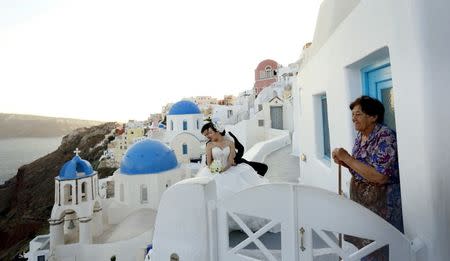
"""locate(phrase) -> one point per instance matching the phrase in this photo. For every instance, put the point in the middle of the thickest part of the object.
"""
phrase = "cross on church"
(76, 151)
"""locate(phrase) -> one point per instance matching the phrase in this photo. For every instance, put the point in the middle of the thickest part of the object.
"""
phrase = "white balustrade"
(311, 220)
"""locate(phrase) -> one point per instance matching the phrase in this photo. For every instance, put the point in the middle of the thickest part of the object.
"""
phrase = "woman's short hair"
(370, 106)
(210, 125)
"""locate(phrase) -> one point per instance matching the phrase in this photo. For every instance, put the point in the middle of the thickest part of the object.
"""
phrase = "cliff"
(18, 125)
(31, 191)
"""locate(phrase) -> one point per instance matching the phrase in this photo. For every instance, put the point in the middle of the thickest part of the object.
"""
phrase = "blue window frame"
(184, 125)
(325, 128)
(185, 149)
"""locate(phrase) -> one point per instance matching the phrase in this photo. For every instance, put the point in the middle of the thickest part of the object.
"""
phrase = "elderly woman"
(373, 164)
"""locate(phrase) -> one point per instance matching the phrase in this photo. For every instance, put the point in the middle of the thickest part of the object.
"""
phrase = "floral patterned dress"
(380, 152)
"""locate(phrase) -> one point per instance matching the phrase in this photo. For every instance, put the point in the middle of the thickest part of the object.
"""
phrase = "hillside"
(27, 199)
(18, 125)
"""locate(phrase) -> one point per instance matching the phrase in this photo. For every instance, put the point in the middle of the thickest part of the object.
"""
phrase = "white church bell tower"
(77, 213)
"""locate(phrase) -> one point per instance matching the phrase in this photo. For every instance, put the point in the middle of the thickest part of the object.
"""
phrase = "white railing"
(310, 220)
(276, 139)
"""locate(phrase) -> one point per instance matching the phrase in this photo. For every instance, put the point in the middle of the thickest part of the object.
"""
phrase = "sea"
(16, 152)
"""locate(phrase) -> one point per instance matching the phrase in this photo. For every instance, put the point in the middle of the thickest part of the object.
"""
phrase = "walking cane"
(340, 193)
(340, 180)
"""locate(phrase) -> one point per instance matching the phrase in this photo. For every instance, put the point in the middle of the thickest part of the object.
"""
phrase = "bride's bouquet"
(216, 167)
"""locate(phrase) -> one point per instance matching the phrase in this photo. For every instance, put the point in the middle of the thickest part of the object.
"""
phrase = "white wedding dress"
(233, 180)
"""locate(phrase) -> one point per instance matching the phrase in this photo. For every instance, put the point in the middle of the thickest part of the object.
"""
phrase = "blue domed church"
(98, 219)
(147, 169)
(184, 122)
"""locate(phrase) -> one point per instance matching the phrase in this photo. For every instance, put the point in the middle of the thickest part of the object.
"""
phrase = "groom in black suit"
(260, 168)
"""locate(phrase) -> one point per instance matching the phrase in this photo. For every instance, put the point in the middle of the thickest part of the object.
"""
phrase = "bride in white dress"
(232, 178)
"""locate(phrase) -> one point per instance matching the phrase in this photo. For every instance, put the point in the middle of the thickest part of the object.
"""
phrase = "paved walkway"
(283, 167)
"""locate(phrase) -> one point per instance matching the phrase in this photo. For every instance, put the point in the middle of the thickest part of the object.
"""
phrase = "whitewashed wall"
(126, 250)
(156, 185)
(247, 132)
(220, 112)
(412, 33)
(178, 125)
(193, 147)
(288, 112)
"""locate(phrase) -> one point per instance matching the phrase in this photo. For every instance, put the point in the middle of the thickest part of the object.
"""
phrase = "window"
(144, 194)
(67, 194)
(83, 191)
(198, 125)
(185, 149)
(262, 74)
(41, 258)
(260, 107)
(269, 72)
(122, 198)
(184, 125)
(171, 125)
(229, 113)
(261, 123)
(325, 129)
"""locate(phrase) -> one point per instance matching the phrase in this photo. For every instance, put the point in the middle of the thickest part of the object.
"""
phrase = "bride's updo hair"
(211, 125)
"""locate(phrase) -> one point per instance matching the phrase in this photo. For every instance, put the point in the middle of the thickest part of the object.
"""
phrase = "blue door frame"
(373, 75)
(377, 83)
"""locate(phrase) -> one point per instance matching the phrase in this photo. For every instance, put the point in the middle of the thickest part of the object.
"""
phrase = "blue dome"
(76, 168)
(184, 107)
(148, 157)
(161, 126)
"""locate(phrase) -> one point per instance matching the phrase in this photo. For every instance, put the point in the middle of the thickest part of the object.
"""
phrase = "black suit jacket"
(260, 168)
(239, 149)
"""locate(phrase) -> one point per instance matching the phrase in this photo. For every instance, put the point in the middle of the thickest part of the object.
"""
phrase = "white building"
(86, 226)
(274, 107)
(184, 122)
(146, 171)
(204, 103)
(134, 131)
(229, 114)
(247, 100)
(394, 51)
(77, 205)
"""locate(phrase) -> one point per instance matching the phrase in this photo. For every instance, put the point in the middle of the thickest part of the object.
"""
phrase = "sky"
(112, 60)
